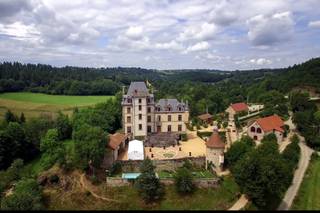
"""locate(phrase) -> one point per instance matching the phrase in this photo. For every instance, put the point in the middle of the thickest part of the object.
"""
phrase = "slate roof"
(215, 141)
(238, 107)
(137, 88)
(173, 103)
(270, 123)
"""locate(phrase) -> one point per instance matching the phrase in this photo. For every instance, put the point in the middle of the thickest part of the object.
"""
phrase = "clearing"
(35, 104)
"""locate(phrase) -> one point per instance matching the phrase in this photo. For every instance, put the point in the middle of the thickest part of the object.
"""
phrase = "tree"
(22, 118)
(262, 174)
(26, 196)
(52, 149)
(90, 143)
(184, 181)
(238, 150)
(147, 183)
(64, 127)
(10, 117)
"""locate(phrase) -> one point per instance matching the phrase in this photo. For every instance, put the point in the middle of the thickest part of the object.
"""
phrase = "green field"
(35, 104)
(308, 197)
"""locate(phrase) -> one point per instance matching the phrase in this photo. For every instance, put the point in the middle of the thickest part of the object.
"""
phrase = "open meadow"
(35, 104)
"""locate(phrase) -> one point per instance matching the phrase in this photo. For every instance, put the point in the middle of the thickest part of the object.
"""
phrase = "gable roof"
(215, 141)
(205, 116)
(116, 139)
(137, 88)
(273, 122)
(238, 107)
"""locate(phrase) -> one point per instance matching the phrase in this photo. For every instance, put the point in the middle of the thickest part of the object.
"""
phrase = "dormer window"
(129, 100)
(169, 108)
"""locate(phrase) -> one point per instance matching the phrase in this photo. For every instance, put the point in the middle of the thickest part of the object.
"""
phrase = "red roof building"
(116, 140)
(271, 123)
(239, 107)
(215, 141)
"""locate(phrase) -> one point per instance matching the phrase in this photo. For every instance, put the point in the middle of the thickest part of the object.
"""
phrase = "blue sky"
(161, 34)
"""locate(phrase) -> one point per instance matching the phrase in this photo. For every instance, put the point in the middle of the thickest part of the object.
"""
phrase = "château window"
(140, 116)
(179, 117)
(129, 129)
(149, 109)
(140, 126)
(169, 117)
(149, 128)
(179, 128)
(129, 119)
(140, 107)
(253, 129)
(169, 128)
(140, 100)
(129, 100)
(159, 118)
(149, 118)
(128, 110)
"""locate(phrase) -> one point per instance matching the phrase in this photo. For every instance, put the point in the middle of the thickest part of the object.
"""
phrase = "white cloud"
(267, 30)
(200, 46)
(315, 24)
(205, 31)
(134, 33)
(261, 61)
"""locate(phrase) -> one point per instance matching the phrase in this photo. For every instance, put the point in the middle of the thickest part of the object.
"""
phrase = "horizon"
(223, 35)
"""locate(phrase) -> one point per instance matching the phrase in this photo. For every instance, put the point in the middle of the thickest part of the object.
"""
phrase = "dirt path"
(240, 204)
(89, 187)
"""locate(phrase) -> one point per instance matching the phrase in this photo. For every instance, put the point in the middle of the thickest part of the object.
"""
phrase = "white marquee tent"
(135, 150)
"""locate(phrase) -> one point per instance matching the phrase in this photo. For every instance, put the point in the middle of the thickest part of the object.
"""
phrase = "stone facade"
(141, 115)
(215, 156)
(256, 132)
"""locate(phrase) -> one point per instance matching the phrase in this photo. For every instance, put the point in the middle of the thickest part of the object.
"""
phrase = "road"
(240, 204)
(298, 175)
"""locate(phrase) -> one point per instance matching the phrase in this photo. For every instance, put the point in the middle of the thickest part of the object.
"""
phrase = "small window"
(253, 129)
(129, 100)
(179, 117)
(140, 100)
(149, 128)
(140, 107)
(159, 118)
(129, 129)
(169, 128)
(129, 119)
(140, 116)
(149, 118)
(140, 126)
(179, 128)
(169, 117)
(128, 110)
(258, 130)
(149, 109)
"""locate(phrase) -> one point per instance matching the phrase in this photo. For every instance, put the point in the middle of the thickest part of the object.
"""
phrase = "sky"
(160, 34)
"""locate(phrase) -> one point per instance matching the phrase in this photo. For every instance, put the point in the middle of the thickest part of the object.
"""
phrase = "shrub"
(184, 181)
(116, 168)
(184, 137)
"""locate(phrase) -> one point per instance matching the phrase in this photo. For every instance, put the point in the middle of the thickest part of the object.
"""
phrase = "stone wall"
(200, 183)
(166, 164)
(117, 181)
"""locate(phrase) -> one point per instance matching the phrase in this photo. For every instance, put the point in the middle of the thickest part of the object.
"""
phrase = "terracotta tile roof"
(238, 107)
(205, 116)
(115, 140)
(215, 141)
(273, 122)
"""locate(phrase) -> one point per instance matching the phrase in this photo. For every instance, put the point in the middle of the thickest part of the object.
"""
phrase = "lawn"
(35, 104)
(308, 197)
(203, 199)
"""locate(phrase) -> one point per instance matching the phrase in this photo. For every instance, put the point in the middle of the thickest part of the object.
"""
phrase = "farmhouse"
(142, 116)
(237, 108)
(263, 126)
(117, 143)
(206, 118)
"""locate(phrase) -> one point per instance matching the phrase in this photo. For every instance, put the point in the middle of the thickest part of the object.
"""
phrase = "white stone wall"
(212, 155)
